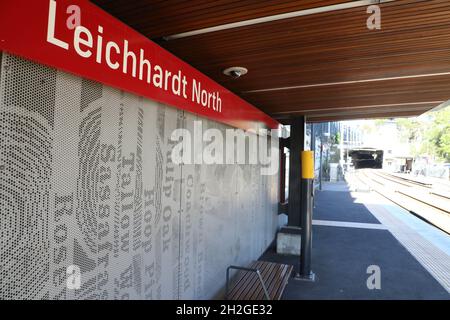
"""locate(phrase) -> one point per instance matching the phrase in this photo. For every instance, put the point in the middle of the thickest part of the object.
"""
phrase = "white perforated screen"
(86, 179)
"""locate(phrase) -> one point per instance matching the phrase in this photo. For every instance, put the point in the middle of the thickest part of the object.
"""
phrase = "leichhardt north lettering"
(134, 63)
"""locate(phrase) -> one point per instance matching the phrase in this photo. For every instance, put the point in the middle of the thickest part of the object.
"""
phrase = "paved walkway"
(355, 230)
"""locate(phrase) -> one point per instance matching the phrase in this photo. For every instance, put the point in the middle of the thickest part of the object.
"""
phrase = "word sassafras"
(120, 57)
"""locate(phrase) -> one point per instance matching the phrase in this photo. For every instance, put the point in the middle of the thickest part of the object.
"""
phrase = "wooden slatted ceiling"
(321, 55)
(371, 113)
(157, 18)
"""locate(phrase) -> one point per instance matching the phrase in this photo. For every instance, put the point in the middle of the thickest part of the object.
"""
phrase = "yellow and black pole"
(307, 160)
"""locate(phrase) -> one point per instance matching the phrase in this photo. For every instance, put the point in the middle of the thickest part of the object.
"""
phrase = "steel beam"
(297, 143)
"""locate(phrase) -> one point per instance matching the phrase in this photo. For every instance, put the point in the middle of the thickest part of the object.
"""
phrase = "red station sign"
(80, 38)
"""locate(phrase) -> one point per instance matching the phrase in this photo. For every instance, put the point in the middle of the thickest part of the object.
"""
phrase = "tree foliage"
(429, 134)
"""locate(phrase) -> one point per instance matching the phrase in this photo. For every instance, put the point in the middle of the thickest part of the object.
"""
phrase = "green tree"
(427, 135)
(438, 134)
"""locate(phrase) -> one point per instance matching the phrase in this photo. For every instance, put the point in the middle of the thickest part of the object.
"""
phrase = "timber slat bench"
(261, 280)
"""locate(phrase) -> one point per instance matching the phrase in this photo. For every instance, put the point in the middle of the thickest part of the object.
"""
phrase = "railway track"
(441, 190)
(418, 197)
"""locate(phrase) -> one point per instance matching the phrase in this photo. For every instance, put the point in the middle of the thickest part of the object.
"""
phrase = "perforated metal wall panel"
(87, 179)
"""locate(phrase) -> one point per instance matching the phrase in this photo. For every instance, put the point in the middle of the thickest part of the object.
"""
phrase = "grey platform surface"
(341, 256)
(339, 206)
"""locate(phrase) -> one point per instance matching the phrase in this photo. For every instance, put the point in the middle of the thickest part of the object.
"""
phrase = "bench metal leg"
(266, 293)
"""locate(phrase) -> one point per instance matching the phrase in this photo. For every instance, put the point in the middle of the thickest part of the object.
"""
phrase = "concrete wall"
(86, 179)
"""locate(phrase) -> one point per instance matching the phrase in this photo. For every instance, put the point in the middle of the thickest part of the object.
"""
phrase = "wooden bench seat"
(261, 280)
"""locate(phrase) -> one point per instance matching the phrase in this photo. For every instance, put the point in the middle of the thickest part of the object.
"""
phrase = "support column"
(282, 174)
(296, 144)
(288, 238)
(306, 218)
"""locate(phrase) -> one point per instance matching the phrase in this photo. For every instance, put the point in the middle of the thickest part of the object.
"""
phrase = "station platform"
(353, 230)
